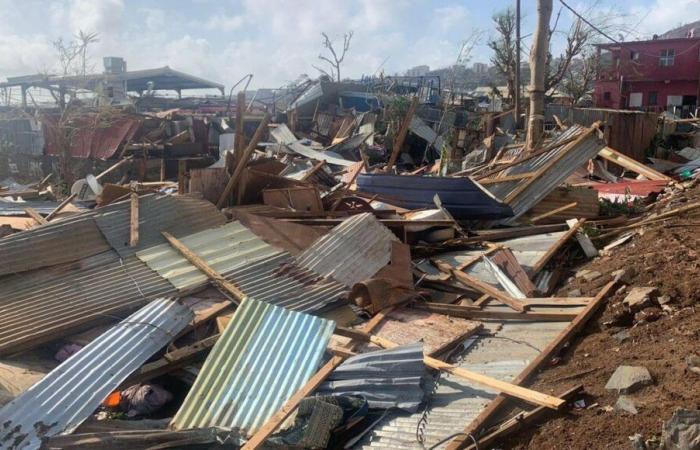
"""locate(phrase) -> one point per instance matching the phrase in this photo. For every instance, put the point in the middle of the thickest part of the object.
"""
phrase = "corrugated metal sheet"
(96, 137)
(46, 304)
(420, 128)
(262, 358)
(43, 207)
(178, 215)
(71, 392)
(83, 235)
(456, 402)
(352, 251)
(386, 378)
(260, 270)
(282, 135)
(567, 158)
(67, 240)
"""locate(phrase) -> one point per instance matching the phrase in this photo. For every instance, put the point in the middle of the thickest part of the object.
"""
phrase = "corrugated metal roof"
(265, 354)
(71, 392)
(44, 207)
(81, 236)
(386, 378)
(178, 215)
(284, 136)
(351, 252)
(455, 402)
(567, 158)
(260, 270)
(45, 304)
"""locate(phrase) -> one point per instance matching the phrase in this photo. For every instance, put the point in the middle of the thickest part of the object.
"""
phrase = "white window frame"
(667, 57)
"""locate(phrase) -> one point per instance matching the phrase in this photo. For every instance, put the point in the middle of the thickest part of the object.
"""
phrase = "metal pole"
(517, 64)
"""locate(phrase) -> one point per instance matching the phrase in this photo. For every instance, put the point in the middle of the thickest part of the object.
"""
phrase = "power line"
(587, 22)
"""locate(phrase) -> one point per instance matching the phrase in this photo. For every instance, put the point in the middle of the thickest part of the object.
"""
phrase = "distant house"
(656, 75)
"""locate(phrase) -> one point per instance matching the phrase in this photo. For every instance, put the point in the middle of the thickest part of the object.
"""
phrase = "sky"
(276, 40)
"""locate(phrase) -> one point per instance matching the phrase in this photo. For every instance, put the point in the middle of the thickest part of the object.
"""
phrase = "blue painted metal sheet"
(265, 354)
(71, 392)
(461, 196)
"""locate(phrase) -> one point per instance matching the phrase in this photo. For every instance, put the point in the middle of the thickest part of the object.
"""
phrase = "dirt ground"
(664, 256)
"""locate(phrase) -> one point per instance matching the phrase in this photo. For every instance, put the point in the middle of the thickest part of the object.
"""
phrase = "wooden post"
(162, 168)
(538, 63)
(243, 161)
(181, 169)
(565, 336)
(202, 265)
(134, 224)
(239, 136)
(31, 212)
(539, 265)
(401, 136)
(62, 205)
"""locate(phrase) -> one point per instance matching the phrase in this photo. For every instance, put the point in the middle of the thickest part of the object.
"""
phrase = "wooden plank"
(475, 312)
(520, 421)
(38, 218)
(550, 351)
(505, 178)
(554, 211)
(539, 265)
(239, 137)
(134, 221)
(633, 165)
(519, 392)
(401, 135)
(60, 207)
(181, 169)
(474, 259)
(243, 161)
(479, 285)
(505, 260)
(202, 265)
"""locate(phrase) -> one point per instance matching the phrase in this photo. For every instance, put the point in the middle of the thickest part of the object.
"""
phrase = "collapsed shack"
(349, 274)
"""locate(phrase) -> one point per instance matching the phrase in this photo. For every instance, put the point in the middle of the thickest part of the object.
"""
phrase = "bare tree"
(538, 61)
(503, 48)
(580, 77)
(337, 57)
(72, 55)
(578, 39)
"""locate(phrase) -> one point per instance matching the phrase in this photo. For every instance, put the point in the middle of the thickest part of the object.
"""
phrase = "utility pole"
(517, 64)
(538, 61)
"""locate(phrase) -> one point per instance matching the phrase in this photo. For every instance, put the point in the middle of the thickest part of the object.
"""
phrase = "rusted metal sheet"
(70, 393)
(352, 251)
(265, 354)
(96, 137)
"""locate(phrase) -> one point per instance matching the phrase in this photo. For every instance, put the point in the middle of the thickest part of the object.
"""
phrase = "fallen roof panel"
(352, 251)
(385, 378)
(70, 393)
(265, 354)
(46, 304)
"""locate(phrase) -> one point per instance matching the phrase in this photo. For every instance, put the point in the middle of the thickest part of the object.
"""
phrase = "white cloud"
(223, 22)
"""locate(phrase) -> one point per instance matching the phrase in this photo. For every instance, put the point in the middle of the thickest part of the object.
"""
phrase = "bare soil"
(664, 256)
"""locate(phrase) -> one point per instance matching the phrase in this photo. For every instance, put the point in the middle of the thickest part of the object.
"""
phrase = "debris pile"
(345, 274)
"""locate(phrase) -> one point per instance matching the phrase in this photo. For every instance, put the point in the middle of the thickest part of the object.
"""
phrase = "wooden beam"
(536, 364)
(243, 161)
(539, 265)
(481, 286)
(239, 137)
(202, 265)
(181, 169)
(475, 312)
(630, 164)
(554, 211)
(521, 420)
(525, 394)
(60, 207)
(518, 176)
(31, 212)
(134, 221)
(402, 133)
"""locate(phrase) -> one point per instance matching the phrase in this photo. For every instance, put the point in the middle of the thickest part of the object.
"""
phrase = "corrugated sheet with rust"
(178, 215)
(260, 270)
(46, 304)
(351, 252)
(561, 162)
(262, 358)
(70, 393)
